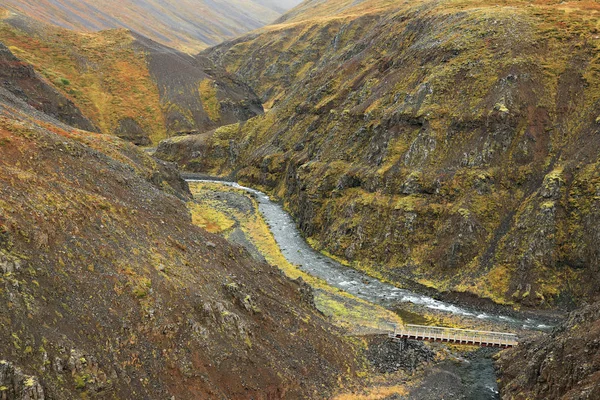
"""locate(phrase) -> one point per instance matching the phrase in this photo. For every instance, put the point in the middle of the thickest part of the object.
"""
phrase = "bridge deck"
(457, 336)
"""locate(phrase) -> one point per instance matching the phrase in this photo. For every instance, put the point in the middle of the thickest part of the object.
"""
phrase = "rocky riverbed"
(413, 299)
(425, 370)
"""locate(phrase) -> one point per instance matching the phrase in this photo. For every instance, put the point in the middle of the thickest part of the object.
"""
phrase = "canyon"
(429, 162)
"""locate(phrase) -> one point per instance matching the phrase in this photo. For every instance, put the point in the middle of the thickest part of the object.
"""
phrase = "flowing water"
(477, 376)
(298, 252)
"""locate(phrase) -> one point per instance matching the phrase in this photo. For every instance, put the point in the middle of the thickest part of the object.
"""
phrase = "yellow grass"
(209, 218)
(375, 393)
(345, 310)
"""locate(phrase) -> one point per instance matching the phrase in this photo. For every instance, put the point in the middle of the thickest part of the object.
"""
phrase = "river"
(477, 376)
(297, 251)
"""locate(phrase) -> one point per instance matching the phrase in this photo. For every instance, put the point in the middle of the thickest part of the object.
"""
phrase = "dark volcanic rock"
(387, 355)
(20, 79)
(14, 385)
(562, 365)
(169, 173)
(131, 131)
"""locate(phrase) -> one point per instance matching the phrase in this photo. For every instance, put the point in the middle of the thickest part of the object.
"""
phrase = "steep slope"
(128, 85)
(109, 290)
(21, 80)
(449, 142)
(564, 365)
(188, 25)
(280, 6)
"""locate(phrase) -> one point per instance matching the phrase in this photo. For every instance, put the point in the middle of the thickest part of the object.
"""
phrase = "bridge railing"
(454, 335)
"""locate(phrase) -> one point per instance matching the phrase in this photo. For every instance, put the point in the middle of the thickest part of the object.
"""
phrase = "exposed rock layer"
(451, 143)
(563, 365)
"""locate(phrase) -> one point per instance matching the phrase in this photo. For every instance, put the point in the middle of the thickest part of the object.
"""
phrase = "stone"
(9, 264)
(15, 385)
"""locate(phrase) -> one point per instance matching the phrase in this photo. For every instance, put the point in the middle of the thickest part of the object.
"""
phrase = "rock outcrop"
(563, 365)
(388, 356)
(452, 144)
(14, 385)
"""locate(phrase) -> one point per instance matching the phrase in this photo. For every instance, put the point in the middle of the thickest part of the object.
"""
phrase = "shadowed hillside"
(449, 142)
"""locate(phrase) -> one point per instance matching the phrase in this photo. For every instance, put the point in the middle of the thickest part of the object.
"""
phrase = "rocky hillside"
(188, 25)
(449, 142)
(564, 365)
(128, 85)
(109, 290)
(20, 79)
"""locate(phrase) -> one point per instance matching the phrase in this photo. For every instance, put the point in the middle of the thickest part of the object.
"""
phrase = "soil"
(110, 291)
(432, 371)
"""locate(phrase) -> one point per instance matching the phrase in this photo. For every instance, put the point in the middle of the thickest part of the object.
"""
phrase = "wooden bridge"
(456, 336)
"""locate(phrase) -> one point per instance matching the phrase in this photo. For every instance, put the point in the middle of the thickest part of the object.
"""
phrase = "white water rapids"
(298, 252)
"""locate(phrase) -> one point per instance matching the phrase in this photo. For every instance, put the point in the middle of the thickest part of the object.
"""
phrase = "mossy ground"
(210, 101)
(353, 314)
(425, 140)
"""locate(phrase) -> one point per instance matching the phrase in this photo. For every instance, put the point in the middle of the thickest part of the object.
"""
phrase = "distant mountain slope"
(129, 85)
(280, 6)
(188, 25)
(324, 9)
(450, 142)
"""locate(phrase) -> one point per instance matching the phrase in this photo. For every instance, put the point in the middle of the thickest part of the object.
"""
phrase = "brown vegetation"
(448, 142)
(109, 290)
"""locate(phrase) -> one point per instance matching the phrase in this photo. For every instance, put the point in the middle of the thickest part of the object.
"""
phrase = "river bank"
(440, 308)
(424, 372)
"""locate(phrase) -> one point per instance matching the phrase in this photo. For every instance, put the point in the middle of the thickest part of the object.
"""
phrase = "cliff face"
(128, 85)
(563, 365)
(109, 290)
(449, 142)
